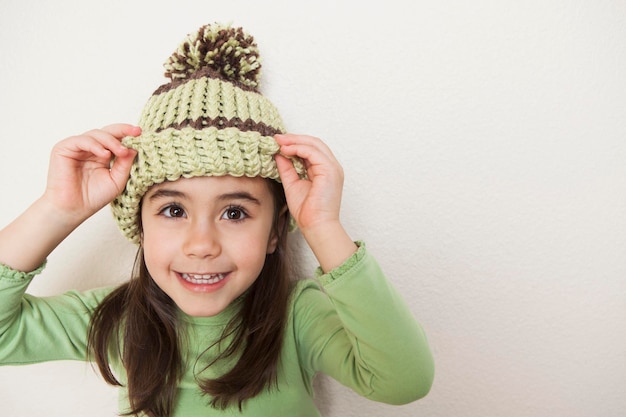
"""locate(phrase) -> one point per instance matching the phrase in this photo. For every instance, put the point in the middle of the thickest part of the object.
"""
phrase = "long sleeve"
(360, 331)
(34, 329)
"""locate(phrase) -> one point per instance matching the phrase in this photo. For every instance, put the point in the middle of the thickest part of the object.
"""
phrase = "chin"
(201, 311)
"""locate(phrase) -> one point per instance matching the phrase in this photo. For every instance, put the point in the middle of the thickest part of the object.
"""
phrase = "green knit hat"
(209, 120)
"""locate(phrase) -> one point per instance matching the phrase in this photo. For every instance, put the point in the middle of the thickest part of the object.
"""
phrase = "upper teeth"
(203, 278)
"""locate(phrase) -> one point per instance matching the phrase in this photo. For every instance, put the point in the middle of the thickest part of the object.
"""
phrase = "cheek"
(157, 247)
(250, 249)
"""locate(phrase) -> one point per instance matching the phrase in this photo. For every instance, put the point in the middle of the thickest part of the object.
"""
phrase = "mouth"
(202, 279)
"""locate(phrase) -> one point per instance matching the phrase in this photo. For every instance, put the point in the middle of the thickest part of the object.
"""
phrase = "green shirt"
(350, 324)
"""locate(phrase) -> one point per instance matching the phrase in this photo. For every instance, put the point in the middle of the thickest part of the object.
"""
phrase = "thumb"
(120, 170)
(286, 170)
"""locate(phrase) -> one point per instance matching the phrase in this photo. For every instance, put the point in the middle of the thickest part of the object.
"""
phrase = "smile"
(203, 278)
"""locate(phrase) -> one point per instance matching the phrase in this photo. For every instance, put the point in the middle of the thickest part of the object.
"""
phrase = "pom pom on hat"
(209, 120)
(229, 51)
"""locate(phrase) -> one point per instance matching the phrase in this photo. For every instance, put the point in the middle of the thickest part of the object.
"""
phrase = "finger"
(293, 139)
(290, 138)
(110, 137)
(81, 147)
(121, 130)
(311, 155)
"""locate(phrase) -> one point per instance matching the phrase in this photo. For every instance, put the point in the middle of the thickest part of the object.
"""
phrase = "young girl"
(210, 322)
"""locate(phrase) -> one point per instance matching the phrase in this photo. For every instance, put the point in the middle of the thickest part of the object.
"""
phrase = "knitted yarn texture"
(209, 120)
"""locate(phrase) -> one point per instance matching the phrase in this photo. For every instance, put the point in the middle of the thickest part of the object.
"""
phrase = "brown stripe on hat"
(213, 101)
(223, 123)
(204, 72)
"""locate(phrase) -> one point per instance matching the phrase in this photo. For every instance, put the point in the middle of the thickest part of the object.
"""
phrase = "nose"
(202, 241)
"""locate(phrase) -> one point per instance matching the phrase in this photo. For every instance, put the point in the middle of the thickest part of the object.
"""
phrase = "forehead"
(213, 187)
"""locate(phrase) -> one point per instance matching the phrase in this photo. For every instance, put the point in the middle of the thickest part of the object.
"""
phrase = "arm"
(36, 329)
(359, 330)
(81, 180)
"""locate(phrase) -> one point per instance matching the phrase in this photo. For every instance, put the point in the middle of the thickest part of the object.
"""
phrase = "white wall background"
(484, 145)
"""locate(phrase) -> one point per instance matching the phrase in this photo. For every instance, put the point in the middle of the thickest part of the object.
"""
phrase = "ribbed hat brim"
(172, 154)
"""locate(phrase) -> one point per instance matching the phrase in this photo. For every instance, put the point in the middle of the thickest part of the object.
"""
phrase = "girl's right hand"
(88, 171)
(81, 180)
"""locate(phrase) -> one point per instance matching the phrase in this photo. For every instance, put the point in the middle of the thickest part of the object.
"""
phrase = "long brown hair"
(138, 324)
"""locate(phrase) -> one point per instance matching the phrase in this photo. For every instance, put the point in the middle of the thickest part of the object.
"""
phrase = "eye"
(234, 213)
(173, 211)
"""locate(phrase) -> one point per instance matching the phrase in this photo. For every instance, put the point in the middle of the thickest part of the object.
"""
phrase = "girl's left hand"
(316, 201)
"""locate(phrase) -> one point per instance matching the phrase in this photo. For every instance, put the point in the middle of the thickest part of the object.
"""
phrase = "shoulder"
(305, 294)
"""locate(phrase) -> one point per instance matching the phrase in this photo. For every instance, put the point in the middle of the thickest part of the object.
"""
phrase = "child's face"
(205, 239)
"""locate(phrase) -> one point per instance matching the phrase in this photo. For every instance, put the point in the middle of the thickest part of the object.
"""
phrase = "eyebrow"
(165, 193)
(237, 195)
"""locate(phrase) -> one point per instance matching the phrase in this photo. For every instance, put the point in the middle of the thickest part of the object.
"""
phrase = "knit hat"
(209, 120)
